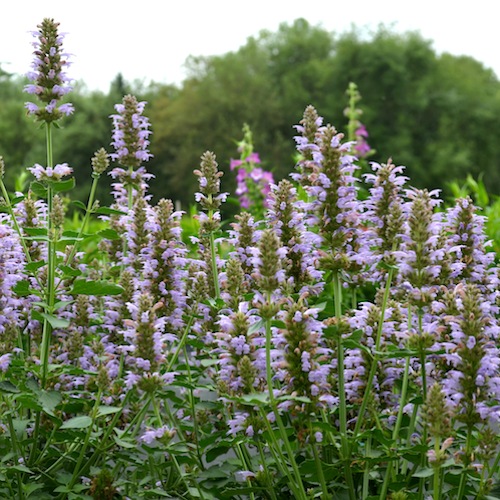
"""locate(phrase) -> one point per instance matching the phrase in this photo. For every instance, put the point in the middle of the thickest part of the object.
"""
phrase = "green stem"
(88, 211)
(181, 345)
(279, 458)
(193, 411)
(274, 407)
(319, 468)
(266, 470)
(436, 493)
(213, 258)
(376, 356)
(366, 473)
(468, 452)
(87, 440)
(341, 389)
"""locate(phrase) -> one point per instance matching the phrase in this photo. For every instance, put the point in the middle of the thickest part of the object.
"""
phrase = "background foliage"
(433, 113)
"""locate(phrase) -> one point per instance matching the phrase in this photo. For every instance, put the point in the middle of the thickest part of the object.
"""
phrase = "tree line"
(437, 114)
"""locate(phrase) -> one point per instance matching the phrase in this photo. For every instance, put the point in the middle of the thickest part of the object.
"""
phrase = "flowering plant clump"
(330, 346)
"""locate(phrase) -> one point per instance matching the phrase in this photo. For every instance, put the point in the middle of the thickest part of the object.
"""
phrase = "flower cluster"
(50, 82)
(253, 182)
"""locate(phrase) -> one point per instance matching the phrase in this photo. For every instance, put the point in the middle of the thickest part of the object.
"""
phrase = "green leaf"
(109, 211)
(39, 189)
(22, 288)
(6, 386)
(109, 234)
(49, 400)
(34, 266)
(60, 186)
(124, 444)
(256, 326)
(79, 204)
(107, 410)
(81, 422)
(84, 287)
(427, 472)
(54, 321)
(21, 468)
(69, 271)
(254, 399)
(36, 231)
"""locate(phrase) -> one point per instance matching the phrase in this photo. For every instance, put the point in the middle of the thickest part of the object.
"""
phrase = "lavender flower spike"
(50, 83)
(130, 134)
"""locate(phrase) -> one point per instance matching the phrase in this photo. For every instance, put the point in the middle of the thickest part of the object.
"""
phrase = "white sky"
(151, 39)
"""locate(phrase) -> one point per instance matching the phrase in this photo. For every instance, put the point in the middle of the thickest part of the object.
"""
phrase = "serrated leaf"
(124, 444)
(36, 231)
(54, 321)
(60, 186)
(22, 288)
(49, 400)
(109, 234)
(79, 204)
(21, 468)
(6, 386)
(427, 472)
(81, 422)
(109, 211)
(69, 271)
(107, 410)
(256, 326)
(33, 266)
(254, 399)
(88, 287)
(38, 189)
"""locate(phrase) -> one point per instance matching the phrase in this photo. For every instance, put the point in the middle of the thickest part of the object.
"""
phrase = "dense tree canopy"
(435, 114)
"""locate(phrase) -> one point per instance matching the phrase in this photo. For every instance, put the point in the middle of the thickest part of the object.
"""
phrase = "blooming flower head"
(50, 173)
(50, 83)
(130, 134)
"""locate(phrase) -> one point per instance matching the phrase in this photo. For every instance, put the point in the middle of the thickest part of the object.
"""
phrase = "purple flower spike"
(50, 83)
(130, 134)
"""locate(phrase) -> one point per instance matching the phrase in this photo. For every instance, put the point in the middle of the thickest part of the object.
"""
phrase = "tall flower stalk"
(50, 84)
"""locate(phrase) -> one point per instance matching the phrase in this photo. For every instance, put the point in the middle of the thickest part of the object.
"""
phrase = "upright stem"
(376, 357)
(274, 406)
(90, 204)
(51, 267)
(213, 257)
(341, 385)
(468, 450)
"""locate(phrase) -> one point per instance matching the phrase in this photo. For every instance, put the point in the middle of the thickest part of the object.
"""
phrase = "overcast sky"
(151, 39)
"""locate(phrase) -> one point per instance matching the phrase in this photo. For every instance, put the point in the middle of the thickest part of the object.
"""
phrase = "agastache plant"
(341, 344)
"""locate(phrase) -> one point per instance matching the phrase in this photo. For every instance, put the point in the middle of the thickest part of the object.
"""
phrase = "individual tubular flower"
(50, 82)
(130, 133)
